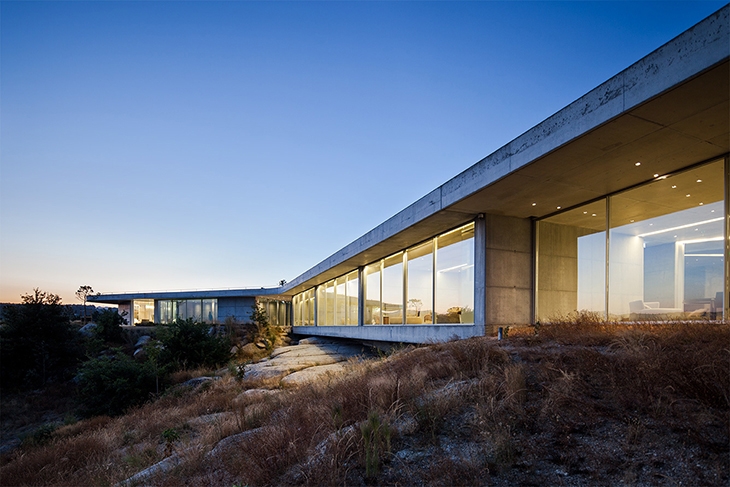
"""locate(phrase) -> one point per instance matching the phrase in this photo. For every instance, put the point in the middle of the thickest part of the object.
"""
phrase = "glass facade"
(663, 256)
(276, 310)
(401, 288)
(202, 310)
(144, 311)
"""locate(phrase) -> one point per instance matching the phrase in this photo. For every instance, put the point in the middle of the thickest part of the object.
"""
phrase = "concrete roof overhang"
(668, 111)
(192, 294)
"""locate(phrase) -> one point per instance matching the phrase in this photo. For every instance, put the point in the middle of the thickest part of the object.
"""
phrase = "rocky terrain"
(571, 404)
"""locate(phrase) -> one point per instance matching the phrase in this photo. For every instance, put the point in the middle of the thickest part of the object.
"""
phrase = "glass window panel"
(297, 303)
(308, 308)
(210, 310)
(352, 291)
(392, 287)
(340, 301)
(144, 311)
(666, 256)
(419, 300)
(373, 315)
(194, 309)
(455, 276)
(571, 260)
(165, 311)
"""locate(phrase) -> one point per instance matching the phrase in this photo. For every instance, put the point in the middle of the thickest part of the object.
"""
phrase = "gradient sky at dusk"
(190, 145)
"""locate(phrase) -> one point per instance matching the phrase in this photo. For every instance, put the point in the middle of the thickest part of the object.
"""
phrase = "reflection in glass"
(373, 315)
(455, 276)
(393, 290)
(572, 262)
(666, 256)
(419, 300)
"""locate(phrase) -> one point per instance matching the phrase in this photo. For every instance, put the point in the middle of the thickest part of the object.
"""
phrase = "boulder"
(142, 341)
(88, 329)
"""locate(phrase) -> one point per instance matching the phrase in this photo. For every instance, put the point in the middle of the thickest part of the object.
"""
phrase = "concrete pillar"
(480, 272)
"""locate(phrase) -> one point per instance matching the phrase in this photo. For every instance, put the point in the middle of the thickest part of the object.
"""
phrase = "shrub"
(112, 384)
(109, 325)
(37, 342)
(187, 344)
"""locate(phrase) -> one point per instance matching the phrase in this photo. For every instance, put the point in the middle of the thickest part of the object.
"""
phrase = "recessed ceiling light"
(637, 164)
(534, 204)
(656, 175)
(585, 212)
(632, 221)
(687, 195)
(701, 204)
(699, 180)
(559, 207)
(674, 186)
(593, 214)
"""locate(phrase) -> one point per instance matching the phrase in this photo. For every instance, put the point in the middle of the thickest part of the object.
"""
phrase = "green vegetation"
(571, 403)
(112, 384)
(187, 344)
(37, 342)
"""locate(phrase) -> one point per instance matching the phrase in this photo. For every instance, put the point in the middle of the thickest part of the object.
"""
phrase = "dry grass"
(585, 401)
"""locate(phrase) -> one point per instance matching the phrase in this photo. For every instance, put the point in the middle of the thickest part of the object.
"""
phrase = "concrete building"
(617, 204)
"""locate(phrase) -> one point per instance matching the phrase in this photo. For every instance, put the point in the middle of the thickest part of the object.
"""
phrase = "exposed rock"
(252, 395)
(311, 374)
(197, 381)
(211, 418)
(88, 329)
(233, 441)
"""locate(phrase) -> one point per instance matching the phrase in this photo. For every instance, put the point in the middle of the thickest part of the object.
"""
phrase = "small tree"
(263, 330)
(37, 342)
(82, 295)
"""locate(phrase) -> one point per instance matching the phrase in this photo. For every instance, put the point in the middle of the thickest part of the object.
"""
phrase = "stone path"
(298, 364)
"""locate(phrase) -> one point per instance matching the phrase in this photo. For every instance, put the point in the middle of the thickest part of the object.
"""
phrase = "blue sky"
(190, 145)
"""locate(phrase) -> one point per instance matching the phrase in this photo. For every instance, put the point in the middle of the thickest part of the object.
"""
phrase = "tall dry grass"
(502, 405)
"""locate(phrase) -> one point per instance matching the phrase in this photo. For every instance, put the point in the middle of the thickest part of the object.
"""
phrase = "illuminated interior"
(144, 311)
(401, 288)
(201, 310)
(665, 253)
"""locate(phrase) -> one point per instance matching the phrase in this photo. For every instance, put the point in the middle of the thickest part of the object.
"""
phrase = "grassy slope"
(577, 403)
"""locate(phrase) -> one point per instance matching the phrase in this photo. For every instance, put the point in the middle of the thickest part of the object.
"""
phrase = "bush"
(109, 325)
(187, 344)
(37, 342)
(112, 384)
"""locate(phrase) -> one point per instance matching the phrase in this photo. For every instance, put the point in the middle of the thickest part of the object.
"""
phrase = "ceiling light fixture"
(637, 164)
(674, 186)
(679, 227)
(534, 204)
(656, 175)
(699, 180)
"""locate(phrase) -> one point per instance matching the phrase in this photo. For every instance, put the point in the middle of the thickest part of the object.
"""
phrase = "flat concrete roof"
(206, 294)
(668, 111)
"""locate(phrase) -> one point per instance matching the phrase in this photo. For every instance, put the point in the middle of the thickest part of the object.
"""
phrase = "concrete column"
(480, 272)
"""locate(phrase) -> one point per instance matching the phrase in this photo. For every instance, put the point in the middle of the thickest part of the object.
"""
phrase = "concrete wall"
(557, 279)
(394, 333)
(508, 277)
(238, 308)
